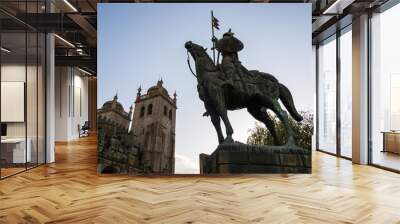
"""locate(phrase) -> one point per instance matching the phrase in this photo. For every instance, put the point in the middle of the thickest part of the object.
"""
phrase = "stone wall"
(154, 132)
(116, 150)
(242, 158)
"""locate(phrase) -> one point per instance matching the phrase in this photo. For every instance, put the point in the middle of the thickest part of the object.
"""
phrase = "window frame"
(333, 37)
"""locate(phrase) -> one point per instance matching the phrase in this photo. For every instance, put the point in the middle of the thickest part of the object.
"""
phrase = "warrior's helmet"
(229, 43)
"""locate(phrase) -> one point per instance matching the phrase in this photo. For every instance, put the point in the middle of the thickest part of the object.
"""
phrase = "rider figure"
(230, 67)
(229, 46)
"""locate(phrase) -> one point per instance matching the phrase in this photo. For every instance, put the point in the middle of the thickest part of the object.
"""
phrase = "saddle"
(246, 79)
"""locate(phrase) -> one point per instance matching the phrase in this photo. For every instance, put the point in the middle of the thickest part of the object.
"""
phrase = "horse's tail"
(286, 97)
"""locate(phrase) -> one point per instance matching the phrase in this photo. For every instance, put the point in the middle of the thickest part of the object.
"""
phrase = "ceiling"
(75, 22)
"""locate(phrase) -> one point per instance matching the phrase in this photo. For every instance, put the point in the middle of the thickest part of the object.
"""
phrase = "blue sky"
(140, 43)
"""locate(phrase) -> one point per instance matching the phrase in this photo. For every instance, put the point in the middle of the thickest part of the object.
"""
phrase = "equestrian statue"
(230, 86)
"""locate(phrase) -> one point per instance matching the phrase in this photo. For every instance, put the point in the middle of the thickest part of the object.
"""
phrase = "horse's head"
(196, 50)
(201, 58)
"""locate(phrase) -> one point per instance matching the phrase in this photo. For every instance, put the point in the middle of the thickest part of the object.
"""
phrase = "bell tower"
(153, 127)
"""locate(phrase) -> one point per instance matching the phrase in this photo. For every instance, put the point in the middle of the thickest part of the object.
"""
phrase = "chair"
(84, 130)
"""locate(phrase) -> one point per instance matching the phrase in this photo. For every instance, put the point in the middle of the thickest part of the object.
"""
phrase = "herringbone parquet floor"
(70, 191)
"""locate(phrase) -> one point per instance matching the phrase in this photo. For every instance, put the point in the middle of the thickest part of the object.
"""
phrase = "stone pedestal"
(241, 158)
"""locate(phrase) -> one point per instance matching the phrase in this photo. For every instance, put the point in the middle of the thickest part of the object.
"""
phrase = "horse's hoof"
(228, 140)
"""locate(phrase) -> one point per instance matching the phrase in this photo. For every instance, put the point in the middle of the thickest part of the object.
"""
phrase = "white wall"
(71, 102)
(17, 73)
(33, 126)
(12, 73)
(12, 100)
(81, 110)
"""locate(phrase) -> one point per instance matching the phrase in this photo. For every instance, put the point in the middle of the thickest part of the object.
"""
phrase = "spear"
(214, 24)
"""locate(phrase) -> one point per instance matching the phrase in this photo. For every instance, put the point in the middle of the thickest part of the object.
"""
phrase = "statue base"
(239, 158)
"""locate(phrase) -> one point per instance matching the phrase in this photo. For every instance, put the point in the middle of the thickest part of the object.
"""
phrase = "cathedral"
(138, 141)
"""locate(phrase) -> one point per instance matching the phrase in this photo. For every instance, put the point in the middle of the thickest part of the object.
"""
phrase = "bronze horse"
(256, 91)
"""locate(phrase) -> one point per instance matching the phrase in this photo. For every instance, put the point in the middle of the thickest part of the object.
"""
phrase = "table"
(391, 141)
(13, 150)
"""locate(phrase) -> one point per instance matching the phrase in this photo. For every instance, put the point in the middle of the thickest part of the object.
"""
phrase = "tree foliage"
(303, 131)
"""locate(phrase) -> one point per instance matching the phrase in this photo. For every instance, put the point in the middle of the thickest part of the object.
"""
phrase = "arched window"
(165, 110)
(170, 114)
(142, 111)
(150, 109)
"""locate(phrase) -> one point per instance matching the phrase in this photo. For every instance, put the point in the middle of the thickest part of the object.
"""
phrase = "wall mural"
(267, 132)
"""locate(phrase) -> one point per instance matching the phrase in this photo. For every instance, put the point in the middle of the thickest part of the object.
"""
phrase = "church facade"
(153, 125)
(142, 140)
(114, 111)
